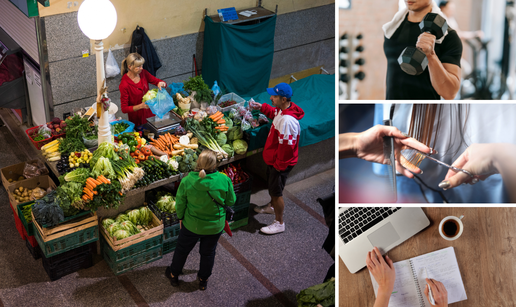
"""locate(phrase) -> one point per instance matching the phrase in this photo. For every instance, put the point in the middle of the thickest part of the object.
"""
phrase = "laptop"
(361, 229)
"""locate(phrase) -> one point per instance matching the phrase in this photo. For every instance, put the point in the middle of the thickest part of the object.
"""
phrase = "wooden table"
(486, 254)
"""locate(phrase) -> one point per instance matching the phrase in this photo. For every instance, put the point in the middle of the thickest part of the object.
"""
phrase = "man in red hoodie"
(280, 151)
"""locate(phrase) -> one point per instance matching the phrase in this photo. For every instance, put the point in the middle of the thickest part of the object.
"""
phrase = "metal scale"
(159, 126)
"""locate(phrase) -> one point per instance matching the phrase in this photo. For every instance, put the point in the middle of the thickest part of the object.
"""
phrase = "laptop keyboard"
(355, 221)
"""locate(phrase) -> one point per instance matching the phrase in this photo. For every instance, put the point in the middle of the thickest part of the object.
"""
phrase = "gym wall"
(367, 17)
(304, 38)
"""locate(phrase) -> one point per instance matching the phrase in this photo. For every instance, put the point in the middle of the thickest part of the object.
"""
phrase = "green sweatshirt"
(195, 207)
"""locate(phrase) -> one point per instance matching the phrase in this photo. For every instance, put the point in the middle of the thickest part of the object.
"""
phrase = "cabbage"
(113, 228)
(145, 216)
(235, 133)
(221, 139)
(134, 216)
(121, 234)
(129, 227)
(229, 122)
(151, 94)
(121, 218)
(167, 204)
(107, 221)
(240, 147)
(229, 149)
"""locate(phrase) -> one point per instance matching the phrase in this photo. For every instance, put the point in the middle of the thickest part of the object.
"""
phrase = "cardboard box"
(15, 171)
(43, 182)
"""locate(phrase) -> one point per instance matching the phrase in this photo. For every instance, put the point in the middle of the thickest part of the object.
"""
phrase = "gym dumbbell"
(412, 60)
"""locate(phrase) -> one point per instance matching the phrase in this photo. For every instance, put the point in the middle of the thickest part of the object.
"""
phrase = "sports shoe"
(273, 228)
(264, 209)
(203, 284)
(174, 281)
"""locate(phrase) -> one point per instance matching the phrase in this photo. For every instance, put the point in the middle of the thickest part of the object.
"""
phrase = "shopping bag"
(161, 104)
(112, 68)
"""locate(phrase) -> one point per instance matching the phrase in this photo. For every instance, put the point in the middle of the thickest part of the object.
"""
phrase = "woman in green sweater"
(200, 217)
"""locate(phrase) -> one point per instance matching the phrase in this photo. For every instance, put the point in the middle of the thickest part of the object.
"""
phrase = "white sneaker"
(273, 228)
(264, 209)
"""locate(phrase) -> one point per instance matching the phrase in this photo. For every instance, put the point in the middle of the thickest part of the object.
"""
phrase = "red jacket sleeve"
(151, 79)
(268, 111)
(124, 99)
(288, 138)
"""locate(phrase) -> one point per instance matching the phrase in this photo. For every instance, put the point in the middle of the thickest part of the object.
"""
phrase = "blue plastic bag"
(162, 104)
(176, 88)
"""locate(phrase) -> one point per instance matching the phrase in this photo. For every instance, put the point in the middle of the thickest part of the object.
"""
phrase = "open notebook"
(410, 281)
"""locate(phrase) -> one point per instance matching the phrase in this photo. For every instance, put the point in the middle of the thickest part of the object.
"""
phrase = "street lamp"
(97, 20)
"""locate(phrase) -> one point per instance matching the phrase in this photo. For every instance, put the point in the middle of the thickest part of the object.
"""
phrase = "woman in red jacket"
(134, 85)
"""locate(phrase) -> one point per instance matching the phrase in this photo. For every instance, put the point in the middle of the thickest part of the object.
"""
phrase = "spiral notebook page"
(442, 266)
(405, 291)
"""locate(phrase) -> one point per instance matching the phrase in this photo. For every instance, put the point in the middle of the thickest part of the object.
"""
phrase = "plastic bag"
(245, 125)
(176, 88)
(162, 104)
(262, 119)
(112, 68)
(211, 110)
(34, 169)
(248, 116)
(45, 132)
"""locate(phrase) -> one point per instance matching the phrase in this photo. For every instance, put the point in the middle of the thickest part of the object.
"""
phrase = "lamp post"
(97, 20)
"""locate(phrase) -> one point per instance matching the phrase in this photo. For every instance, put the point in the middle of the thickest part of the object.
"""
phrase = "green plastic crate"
(169, 247)
(29, 226)
(68, 242)
(131, 250)
(134, 261)
(171, 233)
(239, 223)
(242, 199)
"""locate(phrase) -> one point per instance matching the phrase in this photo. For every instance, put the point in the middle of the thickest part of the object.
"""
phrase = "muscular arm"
(445, 77)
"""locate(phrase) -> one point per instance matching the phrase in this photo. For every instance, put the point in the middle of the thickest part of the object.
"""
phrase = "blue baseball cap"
(282, 89)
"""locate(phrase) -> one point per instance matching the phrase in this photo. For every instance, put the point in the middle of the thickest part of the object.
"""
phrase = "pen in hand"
(432, 301)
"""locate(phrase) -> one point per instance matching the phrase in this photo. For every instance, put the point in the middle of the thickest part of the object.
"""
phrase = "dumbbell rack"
(350, 64)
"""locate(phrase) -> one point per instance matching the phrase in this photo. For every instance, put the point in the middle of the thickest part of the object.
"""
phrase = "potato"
(10, 180)
(21, 178)
(21, 189)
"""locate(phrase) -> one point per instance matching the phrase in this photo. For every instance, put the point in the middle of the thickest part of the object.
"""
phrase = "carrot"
(221, 121)
(120, 193)
(92, 182)
(98, 182)
(216, 118)
(85, 197)
(89, 186)
(89, 193)
(95, 192)
(216, 114)
(103, 179)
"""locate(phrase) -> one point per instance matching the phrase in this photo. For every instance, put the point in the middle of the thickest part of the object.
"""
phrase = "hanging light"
(97, 18)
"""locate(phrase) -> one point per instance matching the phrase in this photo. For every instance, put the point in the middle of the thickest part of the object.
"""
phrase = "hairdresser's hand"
(368, 145)
(384, 274)
(439, 293)
(161, 84)
(478, 159)
(425, 43)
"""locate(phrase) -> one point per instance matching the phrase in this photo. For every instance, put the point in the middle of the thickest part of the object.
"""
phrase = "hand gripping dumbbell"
(412, 60)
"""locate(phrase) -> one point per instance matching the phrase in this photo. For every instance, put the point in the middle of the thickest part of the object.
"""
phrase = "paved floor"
(251, 269)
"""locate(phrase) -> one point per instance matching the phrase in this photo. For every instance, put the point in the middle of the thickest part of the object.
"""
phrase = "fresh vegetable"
(154, 170)
(112, 228)
(318, 295)
(195, 84)
(120, 127)
(235, 133)
(227, 103)
(26, 210)
(103, 167)
(240, 147)
(145, 216)
(121, 218)
(107, 221)
(47, 211)
(79, 175)
(129, 226)
(167, 203)
(235, 173)
(205, 139)
(69, 198)
(105, 193)
(71, 144)
(151, 94)
(76, 126)
(106, 150)
(121, 234)
(221, 139)
(229, 149)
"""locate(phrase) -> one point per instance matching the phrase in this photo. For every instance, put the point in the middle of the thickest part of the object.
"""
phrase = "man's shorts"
(276, 180)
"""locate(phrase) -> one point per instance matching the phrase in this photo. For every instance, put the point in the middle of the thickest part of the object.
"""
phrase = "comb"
(411, 159)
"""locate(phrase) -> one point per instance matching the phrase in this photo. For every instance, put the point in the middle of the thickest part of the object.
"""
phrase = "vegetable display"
(167, 203)
(235, 173)
(102, 192)
(47, 211)
(22, 194)
(155, 170)
(227, 103)
(26, 211)
(129, 223)
(120, 127)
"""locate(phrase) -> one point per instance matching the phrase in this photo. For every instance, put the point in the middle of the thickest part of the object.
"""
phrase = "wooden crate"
(153, 230)
(67, 236)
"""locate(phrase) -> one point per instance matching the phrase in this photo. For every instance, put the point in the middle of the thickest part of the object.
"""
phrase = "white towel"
(391, 27)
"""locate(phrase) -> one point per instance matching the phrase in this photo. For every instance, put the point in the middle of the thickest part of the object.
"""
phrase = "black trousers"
(185, 243)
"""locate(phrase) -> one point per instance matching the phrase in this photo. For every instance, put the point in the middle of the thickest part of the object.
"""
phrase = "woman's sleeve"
(181, 201)
(151, 79)
(124, 100)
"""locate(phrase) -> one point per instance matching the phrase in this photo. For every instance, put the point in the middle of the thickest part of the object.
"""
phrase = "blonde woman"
(135, 84)
(200, 216)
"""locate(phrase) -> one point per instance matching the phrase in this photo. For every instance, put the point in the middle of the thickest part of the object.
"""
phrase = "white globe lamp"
(97, 20)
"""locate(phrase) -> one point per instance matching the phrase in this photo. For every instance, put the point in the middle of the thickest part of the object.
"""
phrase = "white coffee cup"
(453, 228)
